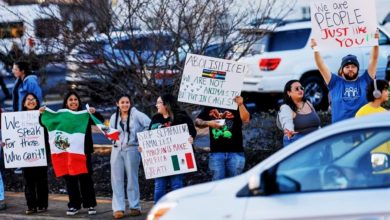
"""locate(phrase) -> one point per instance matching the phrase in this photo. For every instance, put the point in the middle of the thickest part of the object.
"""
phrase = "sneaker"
(72, 211)
(30, 211)
(91, 211)
(118, 214)
(40, 210)
(135, 212)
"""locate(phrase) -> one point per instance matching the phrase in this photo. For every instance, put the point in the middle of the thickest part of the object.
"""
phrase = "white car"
(341, 171)
(287, 55)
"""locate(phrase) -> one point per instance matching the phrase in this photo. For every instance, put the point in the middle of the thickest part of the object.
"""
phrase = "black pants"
(36, 187)
(80, 188)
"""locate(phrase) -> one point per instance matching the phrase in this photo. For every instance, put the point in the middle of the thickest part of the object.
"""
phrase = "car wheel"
(316, 92)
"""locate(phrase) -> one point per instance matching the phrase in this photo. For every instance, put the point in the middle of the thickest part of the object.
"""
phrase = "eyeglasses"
(31, 100)
(298, 88)
(159, 102)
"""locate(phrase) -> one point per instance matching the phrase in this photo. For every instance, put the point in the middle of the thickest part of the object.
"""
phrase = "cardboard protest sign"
(343, 23)
(211, 81)
(24, 139)
(166, 151)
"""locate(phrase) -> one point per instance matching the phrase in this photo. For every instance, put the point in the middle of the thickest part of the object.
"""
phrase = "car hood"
(189, 191)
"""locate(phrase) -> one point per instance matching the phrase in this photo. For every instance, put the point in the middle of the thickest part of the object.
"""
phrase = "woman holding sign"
(35, 178)
(125, 156)
(169, 114)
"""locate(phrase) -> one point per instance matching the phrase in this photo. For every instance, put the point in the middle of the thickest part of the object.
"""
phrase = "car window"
(46, 28)
(383, 39)
(11, 30)
(343, 161)
(297, 39)
(142, 43)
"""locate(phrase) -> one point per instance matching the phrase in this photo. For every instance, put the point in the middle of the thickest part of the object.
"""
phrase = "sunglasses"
(298, 88)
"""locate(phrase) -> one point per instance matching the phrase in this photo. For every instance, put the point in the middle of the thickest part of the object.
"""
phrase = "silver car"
(341, 171)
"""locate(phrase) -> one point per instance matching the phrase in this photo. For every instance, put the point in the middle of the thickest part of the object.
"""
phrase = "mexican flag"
(110, 133)
(66, 138)
(182, 162)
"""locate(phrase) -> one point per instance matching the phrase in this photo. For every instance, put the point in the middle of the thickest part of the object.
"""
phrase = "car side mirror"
(379, 162)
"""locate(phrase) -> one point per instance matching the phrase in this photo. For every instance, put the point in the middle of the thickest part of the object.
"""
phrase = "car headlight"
(160, 209)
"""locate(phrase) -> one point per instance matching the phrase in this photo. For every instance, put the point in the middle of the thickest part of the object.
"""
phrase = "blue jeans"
(160, 185)
(286, 141)
(224, 165)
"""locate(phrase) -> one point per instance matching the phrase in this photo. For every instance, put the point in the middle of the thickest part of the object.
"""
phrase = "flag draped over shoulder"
(110, 133)
(66, 138)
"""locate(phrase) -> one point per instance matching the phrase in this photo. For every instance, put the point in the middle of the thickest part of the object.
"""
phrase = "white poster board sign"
(166, 151)
(211, 81)
(24, 139)
(343, 23)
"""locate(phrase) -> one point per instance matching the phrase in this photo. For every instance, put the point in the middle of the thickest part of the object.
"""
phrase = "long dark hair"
(287, 99)
(118, 112)
(25, 67)
(67, 97)
(170, 102)
(24, 108)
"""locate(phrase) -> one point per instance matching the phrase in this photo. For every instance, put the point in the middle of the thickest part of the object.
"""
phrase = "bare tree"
(139, 46)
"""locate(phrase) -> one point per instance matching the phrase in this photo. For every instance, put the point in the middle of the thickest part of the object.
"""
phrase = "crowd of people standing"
(297, 117)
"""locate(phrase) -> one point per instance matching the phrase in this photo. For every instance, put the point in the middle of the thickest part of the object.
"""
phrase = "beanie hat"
(349, 59)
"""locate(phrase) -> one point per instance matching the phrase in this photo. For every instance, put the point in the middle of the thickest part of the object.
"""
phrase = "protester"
(80, 187)
(169, 114)
(377, 94)
(35, 178)
(348, 93)
(226, 142)
(125, 156)
(25, 83)
(297, 116)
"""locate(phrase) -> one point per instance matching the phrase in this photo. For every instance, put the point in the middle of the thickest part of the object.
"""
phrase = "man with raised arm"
(347, 90)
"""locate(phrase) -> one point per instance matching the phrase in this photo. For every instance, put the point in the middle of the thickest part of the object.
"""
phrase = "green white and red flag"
(110, 133)
(66, 130)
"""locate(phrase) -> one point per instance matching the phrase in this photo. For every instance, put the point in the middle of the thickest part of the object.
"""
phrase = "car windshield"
(146, 43)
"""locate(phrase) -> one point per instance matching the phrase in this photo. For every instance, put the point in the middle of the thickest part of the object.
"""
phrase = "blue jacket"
(29, 84)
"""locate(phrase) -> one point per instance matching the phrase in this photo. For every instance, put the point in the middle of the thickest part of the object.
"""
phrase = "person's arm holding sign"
(322, 67)
(372, 65)
(244, 114)
(202, 124)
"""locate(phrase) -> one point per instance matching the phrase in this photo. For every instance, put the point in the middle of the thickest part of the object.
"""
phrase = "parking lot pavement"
(57, 208)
